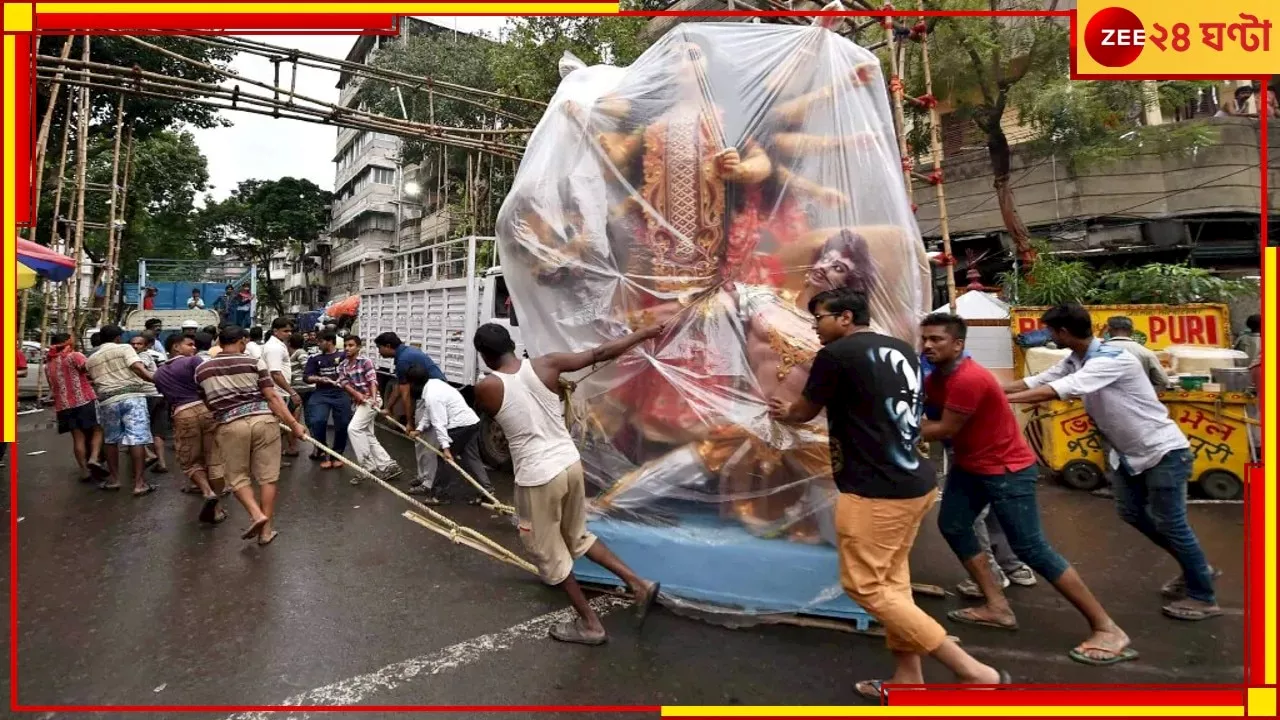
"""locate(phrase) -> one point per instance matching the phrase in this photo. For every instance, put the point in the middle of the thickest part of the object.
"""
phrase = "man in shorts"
(194, 441)
(241, 396)
(521, 395)
(157, 408)
(120, 380)
(74, 402)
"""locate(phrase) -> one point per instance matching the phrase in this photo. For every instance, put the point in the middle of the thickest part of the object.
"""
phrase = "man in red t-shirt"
(993, 465)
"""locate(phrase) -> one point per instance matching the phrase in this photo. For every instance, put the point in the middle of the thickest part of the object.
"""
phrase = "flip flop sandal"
(109, 486)
(145, 491)
(643, 606)
(221, 516)
(1081, 655)
(254, 530)
(870, 690)
(266, 539)
(159, 469)
(962, 616)
(192, 490)
(209, 510)
(1178, 612)
(569, 632)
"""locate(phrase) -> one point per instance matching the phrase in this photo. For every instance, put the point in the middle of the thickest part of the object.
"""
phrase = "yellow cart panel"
(1216, 425)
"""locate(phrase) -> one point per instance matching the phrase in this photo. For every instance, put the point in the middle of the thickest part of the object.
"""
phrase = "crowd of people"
(885, 493)
(222, 401)
(218, 396)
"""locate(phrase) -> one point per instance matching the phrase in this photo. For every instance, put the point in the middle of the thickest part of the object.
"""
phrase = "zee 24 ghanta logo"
(1115, 37)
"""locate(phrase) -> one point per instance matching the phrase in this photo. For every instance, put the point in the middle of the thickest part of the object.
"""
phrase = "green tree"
(526, 63)
(986, 67)
(262, 218)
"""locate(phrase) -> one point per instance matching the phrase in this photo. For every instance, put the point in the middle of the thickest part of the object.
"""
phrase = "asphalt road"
(129, 601)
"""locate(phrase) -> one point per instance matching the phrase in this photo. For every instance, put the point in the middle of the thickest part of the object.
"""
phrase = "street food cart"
(1216, 421)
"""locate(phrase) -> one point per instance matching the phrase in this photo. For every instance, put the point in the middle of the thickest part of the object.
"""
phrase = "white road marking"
(354, 690)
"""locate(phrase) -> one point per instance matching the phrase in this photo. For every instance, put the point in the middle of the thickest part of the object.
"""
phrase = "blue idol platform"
(708, 560)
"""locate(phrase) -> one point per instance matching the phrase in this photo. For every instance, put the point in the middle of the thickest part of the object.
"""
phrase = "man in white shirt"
(1120, 328)
(253, 348)
(195, 302)
(274, 354)
(455, 430)
(1150, 455)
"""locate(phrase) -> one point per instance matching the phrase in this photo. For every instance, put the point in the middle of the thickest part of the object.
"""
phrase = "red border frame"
(933, 695)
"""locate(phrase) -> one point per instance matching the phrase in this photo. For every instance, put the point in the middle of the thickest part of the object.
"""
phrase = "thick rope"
(458, 533)
(399, 429)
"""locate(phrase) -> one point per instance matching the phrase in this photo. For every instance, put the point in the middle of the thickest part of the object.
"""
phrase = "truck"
(173, 281)
(435, 300)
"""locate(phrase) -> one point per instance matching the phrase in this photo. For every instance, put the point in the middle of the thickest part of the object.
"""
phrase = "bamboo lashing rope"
(399, 429)
(449, 528)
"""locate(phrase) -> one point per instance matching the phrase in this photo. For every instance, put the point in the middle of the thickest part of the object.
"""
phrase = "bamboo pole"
(58, 238)
(454, 529)
(42, 141)
(935, 145)
(899, 117)
(109, 282)
(240, 78)
(46, 124)
(257, 47)
(399, 429)
(262, 106)
(124, 195)
(82, 161)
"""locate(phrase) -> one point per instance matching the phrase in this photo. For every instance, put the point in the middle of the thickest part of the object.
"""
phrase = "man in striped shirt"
(241, 395)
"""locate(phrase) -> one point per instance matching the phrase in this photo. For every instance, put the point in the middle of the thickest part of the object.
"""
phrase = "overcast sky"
(258, 146)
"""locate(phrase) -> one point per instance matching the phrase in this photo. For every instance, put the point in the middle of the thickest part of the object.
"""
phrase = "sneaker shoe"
(1023, 576)
(391, 473)
(970, 589)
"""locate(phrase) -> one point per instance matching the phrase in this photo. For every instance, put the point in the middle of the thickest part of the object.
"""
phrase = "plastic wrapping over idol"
(726, 177)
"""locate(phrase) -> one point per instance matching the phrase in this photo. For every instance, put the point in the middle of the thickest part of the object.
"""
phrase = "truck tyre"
(493, 444)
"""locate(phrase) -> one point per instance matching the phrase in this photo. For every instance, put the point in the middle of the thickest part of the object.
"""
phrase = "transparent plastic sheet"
(626, 211)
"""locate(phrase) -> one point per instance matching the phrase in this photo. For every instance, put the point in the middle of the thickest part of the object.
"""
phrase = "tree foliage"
(1091, 123)
(262, 218)
(1055, 280)
(991, 71)
(169, 172)
(526, 63)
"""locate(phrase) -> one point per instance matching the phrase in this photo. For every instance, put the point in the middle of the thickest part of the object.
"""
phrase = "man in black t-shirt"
(870, 385)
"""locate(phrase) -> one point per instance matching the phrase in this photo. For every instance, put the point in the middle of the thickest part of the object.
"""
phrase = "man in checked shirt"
(242, 397)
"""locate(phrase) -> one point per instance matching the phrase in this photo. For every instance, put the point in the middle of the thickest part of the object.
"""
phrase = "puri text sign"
(1162, 39)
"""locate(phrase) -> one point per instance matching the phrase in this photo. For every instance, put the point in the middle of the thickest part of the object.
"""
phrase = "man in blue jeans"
(1006, 566)
(1150, 455)
(994, 469)
(327, 398)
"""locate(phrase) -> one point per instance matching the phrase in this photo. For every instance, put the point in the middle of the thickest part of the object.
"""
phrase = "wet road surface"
(130, 601)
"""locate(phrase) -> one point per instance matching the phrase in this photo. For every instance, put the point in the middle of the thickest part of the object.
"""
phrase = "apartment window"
(383, 176)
